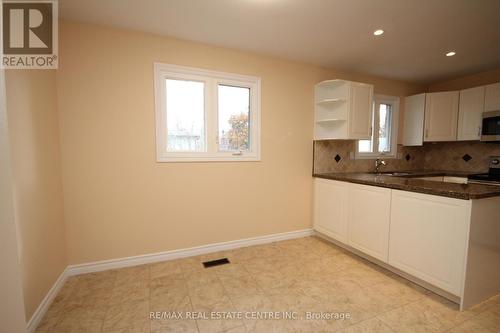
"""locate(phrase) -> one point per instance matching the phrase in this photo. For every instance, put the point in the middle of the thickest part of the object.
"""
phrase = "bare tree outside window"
(185, 119)
(206, 116)
(234, 125)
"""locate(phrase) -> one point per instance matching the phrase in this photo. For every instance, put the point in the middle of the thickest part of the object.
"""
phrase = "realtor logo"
(29, 34)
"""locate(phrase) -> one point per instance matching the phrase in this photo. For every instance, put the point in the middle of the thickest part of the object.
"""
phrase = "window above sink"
(383, 142)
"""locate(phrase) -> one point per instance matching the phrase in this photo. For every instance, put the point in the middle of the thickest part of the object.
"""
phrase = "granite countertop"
(409, 183)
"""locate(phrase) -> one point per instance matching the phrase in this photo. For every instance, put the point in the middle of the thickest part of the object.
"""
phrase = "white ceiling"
(331, 33)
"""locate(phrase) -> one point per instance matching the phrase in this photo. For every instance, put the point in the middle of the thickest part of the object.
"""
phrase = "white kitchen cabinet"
(413, 134)
(492, 97)
(441, 116)
(470, 111)
(368, 218)
(441, 243)
(428, 238)
(360, 114)
(330, 203)
(337, 214)
(343, 110)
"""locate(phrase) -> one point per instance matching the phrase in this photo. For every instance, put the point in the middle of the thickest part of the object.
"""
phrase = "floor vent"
(216, 262)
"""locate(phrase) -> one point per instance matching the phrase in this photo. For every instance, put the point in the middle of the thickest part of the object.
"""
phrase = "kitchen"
(250, 166)
(430, 214)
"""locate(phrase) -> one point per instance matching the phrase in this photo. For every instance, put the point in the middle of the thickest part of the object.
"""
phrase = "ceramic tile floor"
(294, 277)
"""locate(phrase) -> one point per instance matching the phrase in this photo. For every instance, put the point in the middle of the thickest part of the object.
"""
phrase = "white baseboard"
(151, 258)
(98, 266)
(46, 302)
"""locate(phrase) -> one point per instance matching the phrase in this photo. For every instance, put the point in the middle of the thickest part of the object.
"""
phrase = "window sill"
(359, 156)
(180, 158)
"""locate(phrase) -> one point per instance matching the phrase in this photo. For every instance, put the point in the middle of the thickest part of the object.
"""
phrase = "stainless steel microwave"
(491, 126)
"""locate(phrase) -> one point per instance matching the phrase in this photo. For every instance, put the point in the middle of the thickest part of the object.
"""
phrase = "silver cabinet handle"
(479, 131)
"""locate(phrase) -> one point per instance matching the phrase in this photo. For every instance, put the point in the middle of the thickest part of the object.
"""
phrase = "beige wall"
(38, 204)
(12, 316)
(468, 81)
(119, 202)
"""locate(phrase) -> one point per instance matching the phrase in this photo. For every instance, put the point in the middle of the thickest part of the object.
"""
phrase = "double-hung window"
(385, 116)
(204, 115)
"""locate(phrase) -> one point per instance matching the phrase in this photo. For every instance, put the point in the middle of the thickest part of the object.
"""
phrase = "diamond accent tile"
(337, 158)
(467, 157)
(408, 157)
(430, 156)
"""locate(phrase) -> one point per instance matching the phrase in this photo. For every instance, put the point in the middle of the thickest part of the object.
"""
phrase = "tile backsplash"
(334, 156)
(468, 156)
(473, 156)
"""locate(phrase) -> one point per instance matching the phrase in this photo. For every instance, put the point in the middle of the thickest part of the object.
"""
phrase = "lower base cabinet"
(354, 214)
(428, 238)
(420, 234)
(368, 218)
(330, 204)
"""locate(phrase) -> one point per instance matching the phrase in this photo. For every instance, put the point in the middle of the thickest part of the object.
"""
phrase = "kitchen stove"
(490, 178)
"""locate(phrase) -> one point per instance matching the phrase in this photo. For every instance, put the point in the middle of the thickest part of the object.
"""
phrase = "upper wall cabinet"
(343, 110)
(470, 112)
(413, 134)
(441, 116)
(492, 97)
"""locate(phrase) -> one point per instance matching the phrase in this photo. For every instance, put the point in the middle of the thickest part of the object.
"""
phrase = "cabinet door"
(470, 113)
(492, 97)
(413, 134)
(360, 113)
(441, 116)
(330, 198)
(428, 238)
(368, 219)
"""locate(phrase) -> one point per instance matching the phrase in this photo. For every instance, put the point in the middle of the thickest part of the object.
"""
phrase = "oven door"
(491, 126)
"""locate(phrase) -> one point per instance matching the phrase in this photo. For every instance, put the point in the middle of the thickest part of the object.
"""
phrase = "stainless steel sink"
(394, 174)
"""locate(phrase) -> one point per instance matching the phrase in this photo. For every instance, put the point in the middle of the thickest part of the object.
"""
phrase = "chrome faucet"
(378, 163)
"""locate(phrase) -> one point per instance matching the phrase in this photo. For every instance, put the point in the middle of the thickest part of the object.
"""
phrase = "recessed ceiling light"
(451, 54)
(378, 32)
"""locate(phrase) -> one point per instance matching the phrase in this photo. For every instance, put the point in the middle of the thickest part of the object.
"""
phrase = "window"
(185, 116)
(385, 128)
(234, 113)
(204, 115)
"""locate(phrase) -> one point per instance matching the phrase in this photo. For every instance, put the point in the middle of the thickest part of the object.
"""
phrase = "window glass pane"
(384, 133)
(185, 115)
(365, 146)
(233, 116)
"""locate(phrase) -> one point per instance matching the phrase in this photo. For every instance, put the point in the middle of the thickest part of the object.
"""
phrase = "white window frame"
(211, 79)
(394, 102)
